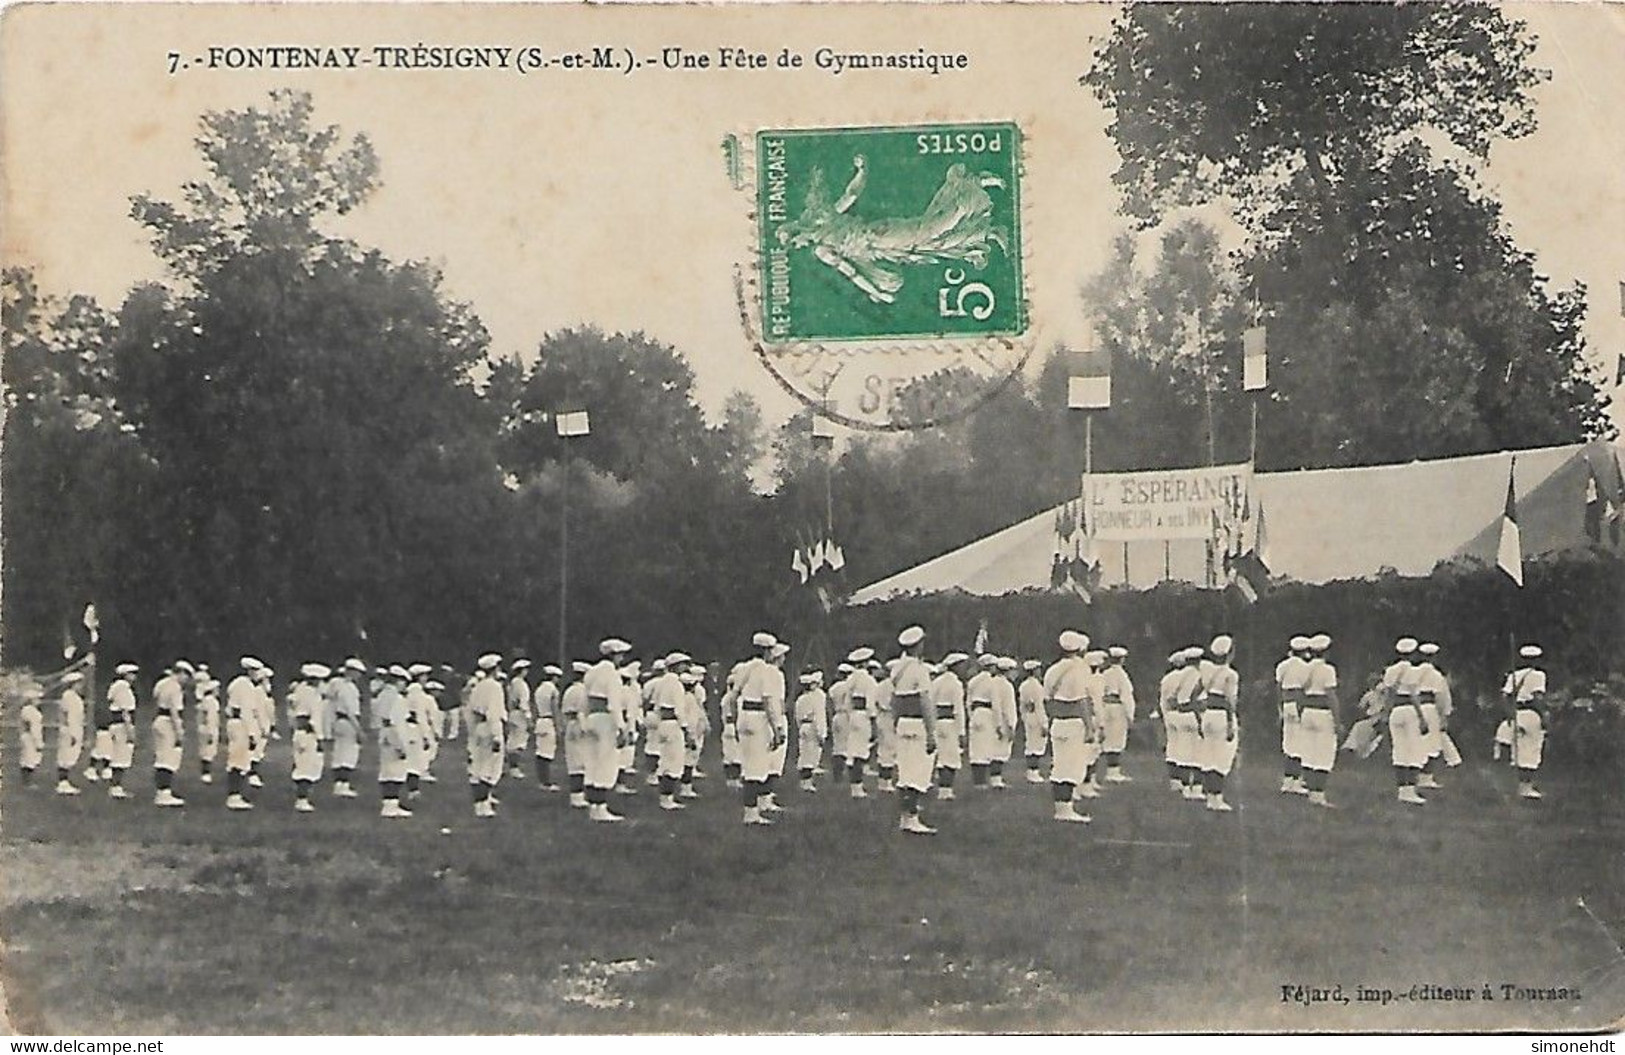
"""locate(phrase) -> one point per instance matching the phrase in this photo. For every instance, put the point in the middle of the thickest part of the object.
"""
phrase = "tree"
(325, 467)
(1403, 320)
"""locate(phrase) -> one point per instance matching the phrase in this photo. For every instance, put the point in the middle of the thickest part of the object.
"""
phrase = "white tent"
(1321, 525)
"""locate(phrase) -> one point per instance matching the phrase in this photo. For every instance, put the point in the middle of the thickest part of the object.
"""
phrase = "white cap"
(126, 668)
(580, 666)
(1193, 652)
(1221, 645)
(1320, 642)
(1006, 662)
(312, 670)
(518, 664)
(489, 661)
(73, 677)
(780, 649)
(987, 659)
(860, 655)
(953, 659)
(812, 677)
(1030, 664)
(1094, 657)
(676, 658)
(658, 663)
(1299, 643)
(1530, 652)
(398, 671)
(181, 664)
(845, 668)
(612, 646)
(1072, 641)
(910, 636)
(1405, 646)
(435, 686)
(1177, 656)
(356, 665)
(1428, 648)
(552, 670)
(419, 669)
(250, 663)
(1117, 652)
(763, 639)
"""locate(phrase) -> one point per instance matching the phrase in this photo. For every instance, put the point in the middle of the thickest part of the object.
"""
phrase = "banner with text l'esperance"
(1166, 503)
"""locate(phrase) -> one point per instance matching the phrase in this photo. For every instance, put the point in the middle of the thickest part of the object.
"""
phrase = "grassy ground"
(119, 918)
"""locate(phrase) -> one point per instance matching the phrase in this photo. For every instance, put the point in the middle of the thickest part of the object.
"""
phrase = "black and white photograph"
(812, 519)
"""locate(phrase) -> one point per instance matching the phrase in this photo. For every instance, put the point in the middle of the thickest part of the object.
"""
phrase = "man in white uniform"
(1428, 683)
(601, 729)
(70, 731)
(1525, 691)
(486, 720)
(418, 728)
(394, 745)
(1034, 719)
(840, 703)
(1407, 730)
(121, 728)
(667, 744)
(345, 727)
(812, 727)
(1220, 689)
(1290, 674)
(545, 703)
(987, 731)
(168, 731)
(1317, 732)
(1185, 730)
(916, 730)
(859, 699)
(1119, 713)
(572, 717)
(1004, 702)
(948, 705)
(30, 738)
(264, 718)
(628, 708)
(1095, 660)
(1071, 724)
(208, 724)
(517, 736)
(761, 726)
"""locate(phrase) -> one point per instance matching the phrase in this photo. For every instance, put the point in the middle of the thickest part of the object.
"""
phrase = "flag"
(981, 639)
(1594, 505)
(799, 566)
(1509, 552)
(1255, 361)
(815, 558)
(68, 646)
(836, 557)
(92, 623)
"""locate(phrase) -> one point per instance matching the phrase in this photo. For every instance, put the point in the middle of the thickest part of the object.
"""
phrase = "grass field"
(121, 918)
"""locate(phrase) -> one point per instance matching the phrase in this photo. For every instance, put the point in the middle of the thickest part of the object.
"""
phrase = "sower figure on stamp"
(70, 731)
(1525, 691)
(916, 730)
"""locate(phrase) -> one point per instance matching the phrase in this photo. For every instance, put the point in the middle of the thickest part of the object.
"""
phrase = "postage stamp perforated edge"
(1013, 349)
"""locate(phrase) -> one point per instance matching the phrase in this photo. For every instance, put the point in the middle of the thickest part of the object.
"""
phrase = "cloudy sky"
(559, 197)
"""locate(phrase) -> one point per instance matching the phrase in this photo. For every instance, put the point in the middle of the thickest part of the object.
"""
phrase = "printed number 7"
(174, 62)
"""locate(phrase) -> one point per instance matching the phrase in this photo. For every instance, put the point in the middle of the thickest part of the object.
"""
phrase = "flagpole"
(564, 562)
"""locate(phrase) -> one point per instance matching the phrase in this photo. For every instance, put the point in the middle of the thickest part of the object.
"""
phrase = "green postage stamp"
(903, 232)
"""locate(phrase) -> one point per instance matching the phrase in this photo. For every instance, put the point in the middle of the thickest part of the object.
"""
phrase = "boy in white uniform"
(1034, 720)
(545, 702)
(345, 731)
(307, 759)
(1525, 690)
(916, 730)
(986, 723)
(517, 736)
(761, 724)
(169, 711)
(1289, 679)
(208, 724)
(1119, 714)
(667, 744)
(1317, 734)
(394, 749)
(1407, 729)
(121, 730)
(486, 724)
(70, 731)
(948, 705)
(858, 714)
(31, 739)
(1219, 691)
(600, 728)
(239, 741)
(811, 727)
(1004, 702)
(839, 702)
(572, 713)
(1071, 724)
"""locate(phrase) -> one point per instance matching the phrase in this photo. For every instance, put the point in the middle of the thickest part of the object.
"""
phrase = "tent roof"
(1321, 525)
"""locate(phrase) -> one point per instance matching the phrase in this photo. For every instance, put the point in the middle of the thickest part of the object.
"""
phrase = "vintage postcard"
(812, 518)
